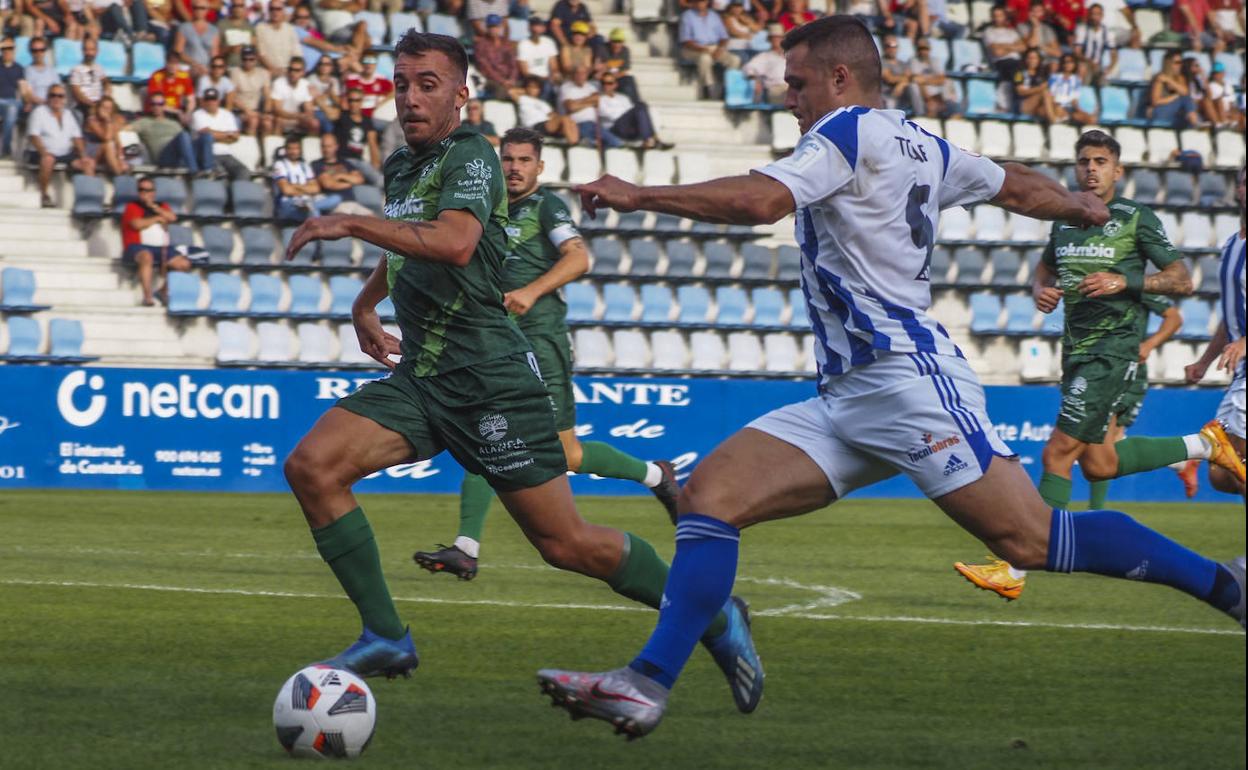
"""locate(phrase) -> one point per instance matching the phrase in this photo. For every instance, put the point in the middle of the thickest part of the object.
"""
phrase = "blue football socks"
(698, 585)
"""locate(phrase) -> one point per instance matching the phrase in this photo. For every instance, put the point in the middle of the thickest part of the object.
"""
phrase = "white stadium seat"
(955, 224)
(315, 344)
(784, 131)
(1037, 359)
(693, 167)
(1133, 145)
(584, 165)
(781, 351)
(622, 162)
(669, 350)
(234, 342)
(1197, 230)
(1162, 143)
(811, 359)
(349, 346)
(552, 173)
(275, 342)
(708, 351)
(1200, 141)
(962, 133)
(631, 349)
(501, 114)
(1062, 139)
(1028, 141)
(1026, 229)
(989, 223)
(994, 139)
(658, 167)
(1224, 226)
(745, 352)
(1230, 149)
(593, 348)
(246, 151)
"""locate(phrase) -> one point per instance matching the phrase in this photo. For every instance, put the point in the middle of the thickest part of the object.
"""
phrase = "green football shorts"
(1128, 407)
(554, 361)
(1091, 391)
(495, 418)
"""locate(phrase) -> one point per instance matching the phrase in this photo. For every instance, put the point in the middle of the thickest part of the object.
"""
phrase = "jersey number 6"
(921, 227)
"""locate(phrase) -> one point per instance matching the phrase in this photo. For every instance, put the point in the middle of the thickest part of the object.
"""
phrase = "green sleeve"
(1151, 240)
(472, 179)
(555, 220)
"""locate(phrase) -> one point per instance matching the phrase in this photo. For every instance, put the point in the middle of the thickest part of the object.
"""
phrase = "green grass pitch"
(153, 630)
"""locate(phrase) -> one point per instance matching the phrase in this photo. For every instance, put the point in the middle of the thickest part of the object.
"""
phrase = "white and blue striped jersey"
(869, 186)
(1234, 298)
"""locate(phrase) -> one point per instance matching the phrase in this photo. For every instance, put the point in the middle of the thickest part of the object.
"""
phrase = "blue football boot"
(373, 655)
(734, 653)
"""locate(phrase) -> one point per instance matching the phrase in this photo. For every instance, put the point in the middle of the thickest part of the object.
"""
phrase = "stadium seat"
(799, 317)
(184, 289)
(695, 305)
(622, 162)
(970, 262)
(1051, 324)
(1006, 264)
(219, 243)
(968, 55)
(66, 338)
(644, 253)
(788, 263)
(693, 167)
(1020, 314)
(517, 29)
(647, 10)
(1133, 145)
(502, 115)
(994, 139)
(258, 245)
(619, 300)
(745, 352)
(67, 54)
(584, 165)
(1162, 142)
(985, 313)
(738, 90)
(1028, 140)
(112, 59)
(731, 304)
(810, 357)
(607, 252)
(147, 58)
(989, 223)
(981, 98)
(225, 291)
(25, 338)
(707, 351)
(337, 253)
(593, 348)
(400, 23)
(668, 350)
(88, 196)
(180, 235)
(656, 304)
(554, 166)
(1132, 66)
(125, 191)
(1230, 149)
(784, 133)
(1027, 230)
(1197, 140)
(266, 294)
(1213, 189)
(343, 289)
(682, 255)
(768, 307)
(720, 257)
(349, 352)
(1180, 188)
(249, 200)
(780, 352)
(632, 222)
(305, 295)
(1062, 139)
(632, 351)
(17, 290)
(1115, 105)
(306, 255)
(246, 151)
(316, 344)
(1224, 226)
(1210, 277)
(1233, 61)
(955, 224)
(1175, 356)
(172, 190)
(385, 308)
(756, 261)
(275, 342)
(375, 23)
(658, 167)
(441, 24)
(1088, 102)
(209, 198)
(1037, 359)
(1147, 185)
(1170, 225)
(938, 268)
(962, 133)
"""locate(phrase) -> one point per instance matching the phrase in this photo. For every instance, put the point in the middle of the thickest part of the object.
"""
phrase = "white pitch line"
(624, 608)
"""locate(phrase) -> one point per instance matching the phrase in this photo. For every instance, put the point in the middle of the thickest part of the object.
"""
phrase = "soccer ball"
(324, 712)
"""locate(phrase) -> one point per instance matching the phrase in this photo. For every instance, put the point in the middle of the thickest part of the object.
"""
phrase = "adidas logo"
(954, 465)
(1139, 572)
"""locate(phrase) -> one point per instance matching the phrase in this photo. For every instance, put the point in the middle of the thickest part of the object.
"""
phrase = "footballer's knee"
(311, 471)
(709, 499)
(1099, 466)
(1222, 480)
(576, 554)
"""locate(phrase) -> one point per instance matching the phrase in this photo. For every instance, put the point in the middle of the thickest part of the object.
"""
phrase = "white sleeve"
(969, 178)
(816, 170)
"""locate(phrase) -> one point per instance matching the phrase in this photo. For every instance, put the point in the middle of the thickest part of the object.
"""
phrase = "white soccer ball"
(324, 712)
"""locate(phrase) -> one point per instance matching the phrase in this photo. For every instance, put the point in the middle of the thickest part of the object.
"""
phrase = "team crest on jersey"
(512, 231)
(1112, 228)
(1078, 386)
(478, 170)
(492, 427)
(427, 170)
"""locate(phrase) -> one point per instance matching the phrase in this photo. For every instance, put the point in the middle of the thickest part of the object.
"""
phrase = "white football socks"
(654, 476)
(1197, 447)
(468, 546)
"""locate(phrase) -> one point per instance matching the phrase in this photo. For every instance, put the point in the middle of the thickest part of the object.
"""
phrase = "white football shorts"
(919, 414)
(1231, 410)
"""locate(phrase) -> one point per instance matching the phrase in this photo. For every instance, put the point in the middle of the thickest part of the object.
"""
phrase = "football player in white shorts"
(895, 394)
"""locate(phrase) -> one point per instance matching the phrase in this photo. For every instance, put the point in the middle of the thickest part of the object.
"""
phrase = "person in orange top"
(177, 88)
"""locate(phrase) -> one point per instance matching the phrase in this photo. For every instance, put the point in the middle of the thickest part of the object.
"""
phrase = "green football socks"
(1055, 490)
(475, 495)
(1096, 497)
(605, 460)
(349, 548)
(1146, 453)
(642, 575)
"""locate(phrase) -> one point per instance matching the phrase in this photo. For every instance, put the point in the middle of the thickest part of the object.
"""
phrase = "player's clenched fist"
(1047, 298)
(608, 192)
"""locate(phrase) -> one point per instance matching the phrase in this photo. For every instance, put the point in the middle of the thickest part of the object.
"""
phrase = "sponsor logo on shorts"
(955, 465)
(1078, 386)
(927, 447)
(492, 427)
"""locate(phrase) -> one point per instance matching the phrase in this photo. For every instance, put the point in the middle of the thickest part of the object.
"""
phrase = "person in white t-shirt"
(538, 55)
(291, 101)
(536, 113)
(767, 70)
(579, 99)
(217, 79)
(222, 124)
(622, 119)
(54, 136)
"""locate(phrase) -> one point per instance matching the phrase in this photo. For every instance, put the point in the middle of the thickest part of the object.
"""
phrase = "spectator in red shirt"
(1065, 15)
(1018, 10)
(145, 239)
(375, 88)
(1190, 18)
(176, 86)
(795, 15)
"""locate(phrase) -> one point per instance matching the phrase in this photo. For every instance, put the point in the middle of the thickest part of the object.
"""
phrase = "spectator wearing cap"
(356, 133)
(578, 52)
(564, 15)
(704, 43)
(335, 174)
(533, 111)
(145, 240)
(376, 89)
(197, 41)
(175, 88)
(237, 33)
(291, 101)
(480, 11)
(1219, 106)
(13, 91)
(618, 60)
(474, 120)
(40, 75)
(54, 136)
(538, 56)
(221, 124)
(15, 21)
(496, 58)
(170, 145)
(623, 120)
(766, 69)
(276, 39)
(297, 195)
(87, 81)
(251, 93)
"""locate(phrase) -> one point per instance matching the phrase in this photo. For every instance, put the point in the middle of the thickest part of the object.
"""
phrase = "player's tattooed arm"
(1173, 280)
(572, 264)
(752, 199)
(1028, 192)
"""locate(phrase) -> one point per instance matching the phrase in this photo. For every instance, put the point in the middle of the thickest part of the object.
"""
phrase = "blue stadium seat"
(225, 291)
(800, 319)
(234, 342)
(402, 22)
(370, 254)
(67, 53)
(719, 258)
(180, 235)
(249, 200)
(645, 257)
(343, 289)
(1180, 188)
(656, 304)
(148, 57)
(981, 97)
(738, 90)
(1147, 185)
(695, 303)
(305, 295)
(1132, 66)
(1020, 314)
(619, 299)
(441, 24)
(258, 245)
(582, 301)
(218, 242)
(22, 44)
(1115, 105)
(112, 58)
(1210, 276)
(172, 190)
(938, 270)
(1088, 100)
(1154, 323)
(789, 261)
(125, 190)
(768, 306)
(385, 309)
(632, 222)
(1234, 63)
(1213, 188)
(209, 198)
(184, 291)
(985, 310)
(668, 223)
(66, 337)
(970, 263)
(756, 261)
(266, 295)
(1051, 324)
(517, 29)
(17, 290)
(1197, 314)
(732, 304)
(375, 23)
(607, 252)
(1005, 266)
(25, 338)
(88, 196)
(968, 55)
(681, 257)
(336, 253)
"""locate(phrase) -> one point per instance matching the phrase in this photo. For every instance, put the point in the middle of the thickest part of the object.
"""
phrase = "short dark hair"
(293, 139)
(844, 40)
(521, 135)
(1096, 138)
(417, 43)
